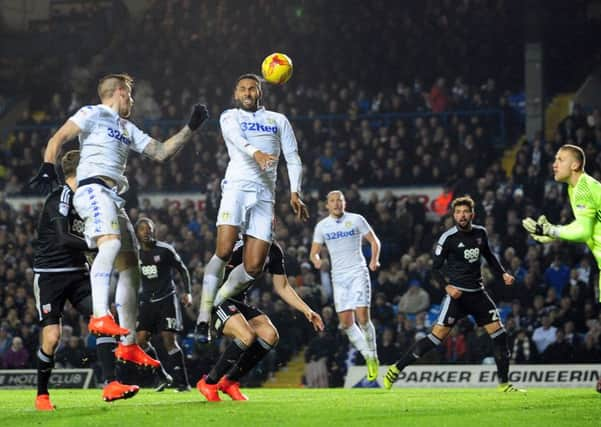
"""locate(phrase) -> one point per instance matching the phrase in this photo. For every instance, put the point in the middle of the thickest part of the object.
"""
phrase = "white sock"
(357, 340)
(100, 276)
(369, 332)
(210, 282)
(236, 282)
(126, 301)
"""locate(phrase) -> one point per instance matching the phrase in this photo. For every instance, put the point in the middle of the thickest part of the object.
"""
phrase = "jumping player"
(255, 139)
(61, 274)
(105, 137)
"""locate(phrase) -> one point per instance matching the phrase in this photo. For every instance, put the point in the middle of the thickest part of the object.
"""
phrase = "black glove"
(45, 180)
(199, 115)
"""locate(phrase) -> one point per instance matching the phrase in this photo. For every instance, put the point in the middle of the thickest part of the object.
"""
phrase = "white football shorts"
(250, 210)
(102, 210)
(352, 289)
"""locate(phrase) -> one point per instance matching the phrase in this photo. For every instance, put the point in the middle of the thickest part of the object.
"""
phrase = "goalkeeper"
(585, 198)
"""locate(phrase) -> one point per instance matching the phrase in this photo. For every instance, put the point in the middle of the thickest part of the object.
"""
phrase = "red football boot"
(43, 403)
(134, 354)
(106, 325)
(231, 388)
(210, 391)
(115, 390)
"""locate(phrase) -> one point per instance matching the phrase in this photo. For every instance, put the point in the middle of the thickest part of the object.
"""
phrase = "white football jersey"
(342, 236)
(105, 141)
(265, 130)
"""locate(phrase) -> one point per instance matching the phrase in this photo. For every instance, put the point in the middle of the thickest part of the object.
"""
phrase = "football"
(277, 68)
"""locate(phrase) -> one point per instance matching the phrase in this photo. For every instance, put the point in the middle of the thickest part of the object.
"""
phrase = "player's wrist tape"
(250, 150)
(553, 231)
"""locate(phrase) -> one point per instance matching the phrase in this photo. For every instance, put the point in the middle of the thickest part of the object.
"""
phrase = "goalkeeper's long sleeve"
(579, 230)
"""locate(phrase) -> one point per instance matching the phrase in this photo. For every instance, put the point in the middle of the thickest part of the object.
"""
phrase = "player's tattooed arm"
(161, 151)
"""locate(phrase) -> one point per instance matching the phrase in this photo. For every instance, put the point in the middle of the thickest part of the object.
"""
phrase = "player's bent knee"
(253, 270)
(493, 327)
(270, 336)
(224, 253)
(440, 331)
(247, 336)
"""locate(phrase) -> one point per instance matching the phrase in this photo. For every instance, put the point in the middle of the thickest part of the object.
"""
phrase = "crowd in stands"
(349, 141)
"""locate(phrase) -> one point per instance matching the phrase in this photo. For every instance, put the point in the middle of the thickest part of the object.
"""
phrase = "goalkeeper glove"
(540, 230)
(542, 239)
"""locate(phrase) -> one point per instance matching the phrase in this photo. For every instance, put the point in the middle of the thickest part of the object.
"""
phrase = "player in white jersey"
(255, 138)
(343, 232)
(105, 137)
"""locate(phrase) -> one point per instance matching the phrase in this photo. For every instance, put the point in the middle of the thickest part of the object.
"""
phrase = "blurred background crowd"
(410, 97)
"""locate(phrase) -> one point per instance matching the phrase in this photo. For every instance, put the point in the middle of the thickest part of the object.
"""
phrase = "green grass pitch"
(312, 407)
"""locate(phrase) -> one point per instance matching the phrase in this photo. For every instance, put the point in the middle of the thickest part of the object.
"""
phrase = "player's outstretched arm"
(46, 177)
(579, 230)
(288, 294)
(162, 151)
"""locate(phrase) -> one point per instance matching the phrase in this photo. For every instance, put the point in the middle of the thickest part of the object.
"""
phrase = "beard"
(254, 107)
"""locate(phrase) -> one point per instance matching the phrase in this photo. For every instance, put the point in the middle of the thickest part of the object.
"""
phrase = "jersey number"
(494, 315)
(471, 255)
(150, 271)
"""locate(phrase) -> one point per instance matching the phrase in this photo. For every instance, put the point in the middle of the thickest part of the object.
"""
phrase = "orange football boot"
(210, 391)
(115, 390)
(231, 388)
(134, 354)
(43, 403)
(106, 325)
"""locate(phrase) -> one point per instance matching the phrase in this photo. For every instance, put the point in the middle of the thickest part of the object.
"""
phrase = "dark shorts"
(479, 304)
(231, 307)
(51, 290)
(163, 315)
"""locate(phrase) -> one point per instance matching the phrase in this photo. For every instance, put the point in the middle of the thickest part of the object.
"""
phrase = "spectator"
(5, 340)
(388, 348)
(557, 275)
(544, 335)
(415, 299)
(16, 357)
(558, 351)
(455, 346)
(523, 350)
